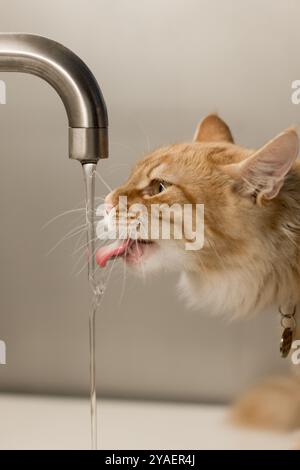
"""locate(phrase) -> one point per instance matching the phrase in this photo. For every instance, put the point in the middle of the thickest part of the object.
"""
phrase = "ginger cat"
(250, 258)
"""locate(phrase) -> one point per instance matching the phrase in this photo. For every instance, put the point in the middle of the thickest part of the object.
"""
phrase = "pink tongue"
(113, 250)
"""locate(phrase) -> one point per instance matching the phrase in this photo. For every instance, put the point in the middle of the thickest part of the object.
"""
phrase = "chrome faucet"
(73, 81)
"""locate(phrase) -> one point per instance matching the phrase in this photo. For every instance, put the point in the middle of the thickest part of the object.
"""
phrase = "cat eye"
(157, 187)
(161, 187)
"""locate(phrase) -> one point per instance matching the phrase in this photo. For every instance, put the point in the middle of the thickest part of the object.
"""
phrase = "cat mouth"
(130, 250)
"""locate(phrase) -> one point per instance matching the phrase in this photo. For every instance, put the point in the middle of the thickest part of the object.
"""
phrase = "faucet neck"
(73, 81)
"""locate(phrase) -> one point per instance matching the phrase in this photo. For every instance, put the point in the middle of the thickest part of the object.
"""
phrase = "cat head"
(239, 189)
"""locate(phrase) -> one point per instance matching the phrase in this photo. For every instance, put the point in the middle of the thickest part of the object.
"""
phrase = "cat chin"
(165, 256)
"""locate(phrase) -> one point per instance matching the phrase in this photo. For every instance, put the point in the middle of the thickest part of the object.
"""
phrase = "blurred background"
(162, 66)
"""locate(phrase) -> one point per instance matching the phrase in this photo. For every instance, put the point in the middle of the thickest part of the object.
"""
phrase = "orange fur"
(274, 404)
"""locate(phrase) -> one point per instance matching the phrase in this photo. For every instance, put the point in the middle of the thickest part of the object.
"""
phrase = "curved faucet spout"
(73, 81)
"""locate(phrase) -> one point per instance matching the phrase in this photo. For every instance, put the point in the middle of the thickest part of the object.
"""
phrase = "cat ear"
(213, 129)
(262, 174)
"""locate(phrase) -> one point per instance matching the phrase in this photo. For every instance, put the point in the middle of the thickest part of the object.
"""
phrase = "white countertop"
(35, 422)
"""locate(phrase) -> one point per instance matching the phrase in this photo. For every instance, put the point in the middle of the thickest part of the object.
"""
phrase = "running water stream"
(97, 288)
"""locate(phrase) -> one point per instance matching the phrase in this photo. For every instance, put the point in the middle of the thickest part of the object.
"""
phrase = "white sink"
(38, 422)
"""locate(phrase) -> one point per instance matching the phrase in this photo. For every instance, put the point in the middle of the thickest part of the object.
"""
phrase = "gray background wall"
(162, 65)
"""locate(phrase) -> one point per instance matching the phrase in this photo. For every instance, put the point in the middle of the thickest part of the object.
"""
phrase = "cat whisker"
(77, 249)
(80, 257)
(79, 220)
(116, 167)
(103, 181)
(81, 209)
(77, 243)
(86, 262)
(142, 264)
(81, 247)
(69, 235)
(144, 133)
(127, 147)
(124, 279)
